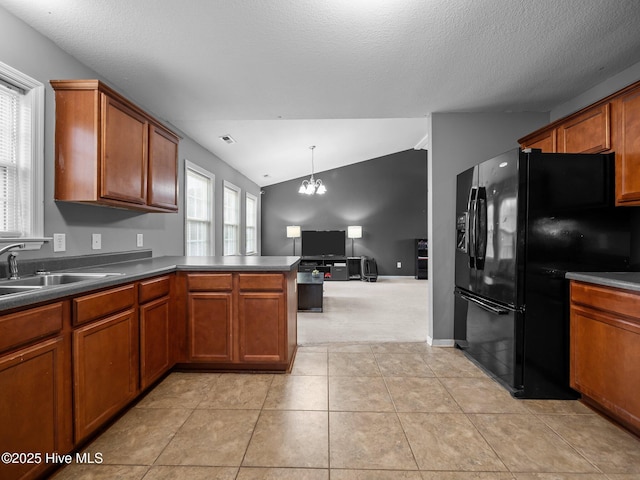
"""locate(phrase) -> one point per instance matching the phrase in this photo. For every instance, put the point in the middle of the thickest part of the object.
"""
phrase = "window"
(231, 219)
(21, 155)
(251, 222)
(199, 188)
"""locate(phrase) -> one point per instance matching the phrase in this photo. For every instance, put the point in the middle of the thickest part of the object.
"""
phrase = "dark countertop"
(624, 280)
(133, 270)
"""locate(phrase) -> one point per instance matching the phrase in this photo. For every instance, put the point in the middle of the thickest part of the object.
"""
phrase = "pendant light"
(312, 186)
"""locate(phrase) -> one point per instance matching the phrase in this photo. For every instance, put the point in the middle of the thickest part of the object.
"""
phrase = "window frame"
(212, 189)
(230, 186)
(254, 224)
(34, 96)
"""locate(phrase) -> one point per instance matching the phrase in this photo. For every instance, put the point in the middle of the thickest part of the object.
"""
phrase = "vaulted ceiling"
(356, 78)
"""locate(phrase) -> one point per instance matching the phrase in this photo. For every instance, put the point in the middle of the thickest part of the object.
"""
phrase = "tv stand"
(333, 267)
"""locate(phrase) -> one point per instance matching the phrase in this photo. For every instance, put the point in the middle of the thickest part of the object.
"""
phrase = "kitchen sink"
(48, 280)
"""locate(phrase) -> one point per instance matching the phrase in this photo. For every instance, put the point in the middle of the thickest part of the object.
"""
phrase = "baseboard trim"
(440, 342)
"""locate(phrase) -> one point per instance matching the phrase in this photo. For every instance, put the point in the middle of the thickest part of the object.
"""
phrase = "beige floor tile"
(244, 391)
(172, 472)
(312, 348)
(374, 475)
(366, 440)
(211, 437)
(447, 441)
(139, 436)
(402, 347)
(312, 363)
(349, 348)
(364, 394)
(101, 472)
(452, 363)
(403, 365)
(482, 395)
(622, 476)
(417, 394)
(526, 444)
(562, 407)
(610, 448)
(179, 390)
(297, 392)
(561, 476)
(467, 476)
(353, 365)
(289, 439)
(283, 474)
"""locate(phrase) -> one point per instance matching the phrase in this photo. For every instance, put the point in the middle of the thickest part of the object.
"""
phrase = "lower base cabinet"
(261, 327)
(34, 416)
(105, 376)
(605, 350)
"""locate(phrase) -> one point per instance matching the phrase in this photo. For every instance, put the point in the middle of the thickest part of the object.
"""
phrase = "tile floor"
(364, 411)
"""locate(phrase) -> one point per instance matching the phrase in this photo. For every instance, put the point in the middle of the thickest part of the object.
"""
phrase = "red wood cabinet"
(605, 350)
(628, 148)
(110, 152)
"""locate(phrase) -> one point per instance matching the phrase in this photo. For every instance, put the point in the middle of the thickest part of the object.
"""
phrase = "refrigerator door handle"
(471, 230)
(484, 305)
(481, 227)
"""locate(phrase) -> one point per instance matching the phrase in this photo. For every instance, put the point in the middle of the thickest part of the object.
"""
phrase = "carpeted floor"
(393, 309)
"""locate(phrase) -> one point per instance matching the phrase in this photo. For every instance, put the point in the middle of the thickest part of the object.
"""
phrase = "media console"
(332, 267)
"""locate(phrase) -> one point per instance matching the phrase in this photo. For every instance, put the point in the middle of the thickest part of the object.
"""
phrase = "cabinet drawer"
(209, 282)
(101, 304)
(153, 288)
(260, 282)
(622, 302)
(22, 327)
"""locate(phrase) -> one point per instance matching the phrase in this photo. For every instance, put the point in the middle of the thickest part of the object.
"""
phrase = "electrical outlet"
(139, 240)
(398, 264)
(59, 242)
(96, 241)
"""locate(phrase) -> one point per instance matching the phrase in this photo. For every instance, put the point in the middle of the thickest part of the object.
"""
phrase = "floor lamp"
(354, 231)
(293, 231)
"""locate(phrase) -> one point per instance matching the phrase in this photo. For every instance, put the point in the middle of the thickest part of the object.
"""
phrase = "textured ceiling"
(357, 78)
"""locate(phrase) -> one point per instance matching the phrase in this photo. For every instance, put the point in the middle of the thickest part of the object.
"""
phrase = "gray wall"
(459, 141)
(386, 195)
(38, 57)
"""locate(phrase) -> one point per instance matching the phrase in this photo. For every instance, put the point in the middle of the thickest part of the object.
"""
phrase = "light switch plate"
(139, 240)
(59, 242)
(398, 264)
(96, 241)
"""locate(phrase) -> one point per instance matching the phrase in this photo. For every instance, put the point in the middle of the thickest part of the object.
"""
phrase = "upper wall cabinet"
(110, 152)
(609, 125)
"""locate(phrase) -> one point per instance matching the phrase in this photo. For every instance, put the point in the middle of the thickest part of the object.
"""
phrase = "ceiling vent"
(228, 139)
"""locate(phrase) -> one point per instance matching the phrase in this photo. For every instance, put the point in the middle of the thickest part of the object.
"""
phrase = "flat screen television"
(323, 243)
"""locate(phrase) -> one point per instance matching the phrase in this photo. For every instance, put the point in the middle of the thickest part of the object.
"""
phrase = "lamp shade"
(293, 231)
(354, 231)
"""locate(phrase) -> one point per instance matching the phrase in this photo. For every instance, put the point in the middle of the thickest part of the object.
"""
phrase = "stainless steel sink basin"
(48, 280)
(8, 290)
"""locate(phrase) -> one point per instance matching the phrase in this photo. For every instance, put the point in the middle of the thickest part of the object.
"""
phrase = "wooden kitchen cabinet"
(110, 152)
(587, 132)
(35, 370)
(544, 140)
(241, 320)
(605, 350)
(628, 148)
(105, 357)
(155, 329)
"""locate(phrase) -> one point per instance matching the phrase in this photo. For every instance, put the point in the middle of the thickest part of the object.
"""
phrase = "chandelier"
(312, 186)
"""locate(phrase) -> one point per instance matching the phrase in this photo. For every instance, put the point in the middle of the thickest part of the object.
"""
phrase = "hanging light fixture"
(312, 186)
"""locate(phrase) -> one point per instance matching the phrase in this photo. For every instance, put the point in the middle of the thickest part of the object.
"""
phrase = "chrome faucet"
(13, 259)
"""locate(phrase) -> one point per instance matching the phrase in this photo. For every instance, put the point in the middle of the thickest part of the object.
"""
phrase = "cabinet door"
(545, 141)
(105, 373)
(210, 335)
(123, 166)
(605, 361)
(163, 169)
(588, 132)
(261, 327)
(628, 149)
(34, 413)
(155, 352)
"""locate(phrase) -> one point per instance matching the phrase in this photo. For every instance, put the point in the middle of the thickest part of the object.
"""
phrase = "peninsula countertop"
(624, 280)
(129, 271)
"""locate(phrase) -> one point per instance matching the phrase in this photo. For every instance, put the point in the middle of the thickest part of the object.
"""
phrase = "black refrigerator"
(523, 219)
